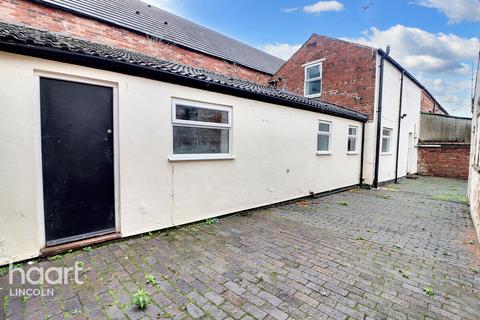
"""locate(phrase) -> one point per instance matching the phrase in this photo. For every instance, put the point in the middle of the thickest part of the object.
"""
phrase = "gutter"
(400, 118)
(384, 55)
(99, 62)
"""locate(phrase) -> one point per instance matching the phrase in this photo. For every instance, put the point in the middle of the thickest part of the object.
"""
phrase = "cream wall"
(274, 149)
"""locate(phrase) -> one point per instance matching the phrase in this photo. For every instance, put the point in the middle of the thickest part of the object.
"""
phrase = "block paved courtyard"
(406, 251)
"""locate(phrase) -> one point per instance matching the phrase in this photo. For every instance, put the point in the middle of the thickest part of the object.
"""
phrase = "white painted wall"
(410, 124)
(274, 148)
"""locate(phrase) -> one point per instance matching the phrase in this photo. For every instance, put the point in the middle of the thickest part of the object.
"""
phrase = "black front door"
(77, 159)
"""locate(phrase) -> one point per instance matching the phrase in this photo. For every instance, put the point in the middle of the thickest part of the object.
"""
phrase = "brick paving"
(359, 254)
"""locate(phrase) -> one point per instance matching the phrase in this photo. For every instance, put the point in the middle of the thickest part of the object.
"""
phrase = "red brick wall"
(428, 105)
(348, 72)
(38, 16)
(450, 161)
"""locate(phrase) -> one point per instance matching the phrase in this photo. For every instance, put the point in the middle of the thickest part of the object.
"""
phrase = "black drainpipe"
(361, 154)
(379, 116)
(400, 117)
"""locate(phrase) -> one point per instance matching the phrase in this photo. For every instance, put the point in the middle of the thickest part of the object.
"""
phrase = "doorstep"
(47, 251)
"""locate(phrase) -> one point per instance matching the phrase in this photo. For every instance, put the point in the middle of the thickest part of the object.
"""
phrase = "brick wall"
(428, 105)
(450, 161)
(348, 72)
(38, 16)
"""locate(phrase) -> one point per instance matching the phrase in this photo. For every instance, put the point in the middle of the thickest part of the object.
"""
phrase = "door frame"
(410, 148)
(37, 74)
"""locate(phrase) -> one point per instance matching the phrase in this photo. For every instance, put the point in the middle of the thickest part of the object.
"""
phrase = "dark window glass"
(352, 144)
(313, 87)
(313, 72)
(201, 114)
(193, 140)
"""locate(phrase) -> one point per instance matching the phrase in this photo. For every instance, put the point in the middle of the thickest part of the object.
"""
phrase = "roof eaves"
(42, 44)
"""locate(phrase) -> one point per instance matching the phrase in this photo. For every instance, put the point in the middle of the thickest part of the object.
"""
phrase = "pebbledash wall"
(39, 16)
(350, 77)
(274, 151)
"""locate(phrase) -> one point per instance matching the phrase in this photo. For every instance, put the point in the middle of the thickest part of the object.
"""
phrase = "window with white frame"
(323, 136)
(386, 140)
(201, 130)
(313, 79)
(352, 139)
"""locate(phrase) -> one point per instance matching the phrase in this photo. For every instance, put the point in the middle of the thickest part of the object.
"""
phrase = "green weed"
(212, 221)
(151, 279)
(428, 291)
(141, 299)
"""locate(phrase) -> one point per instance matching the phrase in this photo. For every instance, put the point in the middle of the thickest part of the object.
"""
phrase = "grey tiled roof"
(147, 19)
(28, 41)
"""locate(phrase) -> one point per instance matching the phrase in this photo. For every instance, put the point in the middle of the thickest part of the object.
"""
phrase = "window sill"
(386, 153)
(352, 152)
(323, 153)
(176, 158)
(313, 95)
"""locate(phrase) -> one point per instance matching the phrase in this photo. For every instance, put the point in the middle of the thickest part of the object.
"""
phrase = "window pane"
(323, 127)
(352, 131)
(323, 142)
(313, 87)
(201, 114)
(385, 145)
(386, 132)
(191, 140)
(313, 72)
(352, 144)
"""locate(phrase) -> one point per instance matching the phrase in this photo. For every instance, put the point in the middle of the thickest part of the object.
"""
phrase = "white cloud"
(289, 10)
(455, 10)
(281, 50)
(420, 50)
(442, 62)
(322, 6)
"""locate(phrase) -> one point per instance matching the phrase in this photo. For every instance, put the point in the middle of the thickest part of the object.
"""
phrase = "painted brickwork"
(450, 161)
(348, 72)
(46, 18)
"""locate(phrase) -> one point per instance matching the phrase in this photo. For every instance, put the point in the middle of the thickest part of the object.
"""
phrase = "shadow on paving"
(402, 252)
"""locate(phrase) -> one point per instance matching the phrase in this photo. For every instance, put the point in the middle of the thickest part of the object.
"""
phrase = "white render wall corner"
(274, 148)
(408, 153)
(409, 124)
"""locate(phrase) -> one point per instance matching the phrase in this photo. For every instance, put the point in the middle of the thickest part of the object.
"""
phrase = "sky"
(438, 41)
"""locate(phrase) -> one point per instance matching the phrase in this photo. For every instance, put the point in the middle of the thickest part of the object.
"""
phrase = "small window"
(313, 80)
(323, 137)
(386, 140)
(352, 139)
(201, 130)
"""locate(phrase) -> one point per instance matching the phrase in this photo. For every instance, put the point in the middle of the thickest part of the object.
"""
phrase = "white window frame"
(305, 82)
(323, 133)
(389, 141)
(352, 136)
(201, 124)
